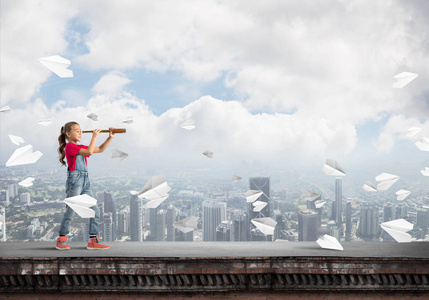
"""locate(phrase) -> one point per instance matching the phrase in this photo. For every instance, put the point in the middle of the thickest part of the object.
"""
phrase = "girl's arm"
(91, 148)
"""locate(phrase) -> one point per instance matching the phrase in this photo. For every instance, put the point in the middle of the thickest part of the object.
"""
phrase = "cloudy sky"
(275, 82)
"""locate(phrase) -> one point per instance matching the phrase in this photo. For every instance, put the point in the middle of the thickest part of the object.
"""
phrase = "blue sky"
(278, 79)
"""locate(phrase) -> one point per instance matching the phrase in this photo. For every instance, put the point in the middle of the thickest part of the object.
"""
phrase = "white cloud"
(111, 83)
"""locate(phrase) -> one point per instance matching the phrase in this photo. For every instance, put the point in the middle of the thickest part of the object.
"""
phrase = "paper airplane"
(119, 155)
(188, 124)
(27, 182)
(425, 171)
(23, 156)
(1, 223)
(81, 205)
(154, 203)
(236, 178)
(93, 116)
(265, 225)
(329, 242)
(128, 120)
(369, 187)
(319, 203)
(398, 230)
(187, 225)
(423, 145)
(402, 79)
(402, 194)
(58, 65)
(259, 205)
(413, 131)
(155, 188)
(309, 195)
(17, 140)
(5, 108)
(44, 122)
(332, 168)
(386, 181)
(252, 195)
(208, 153)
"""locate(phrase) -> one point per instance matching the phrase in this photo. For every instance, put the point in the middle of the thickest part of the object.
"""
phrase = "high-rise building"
(339, 204)
(213, 214)
(239, 228)
(25, 198)
(4, 197)
(3, 224)
(110, 206)
(160, 225)
(422, 219)
(307, 225)
(349, 223)
(169, 223)
(369, 223)
(108, 227)
(223, 231)
(153, 225)
(13, 190)
(136, 225)
(262, 184)
(401, 211)
(122, 223)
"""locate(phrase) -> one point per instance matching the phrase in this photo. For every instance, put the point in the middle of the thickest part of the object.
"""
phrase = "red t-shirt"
(72, 151)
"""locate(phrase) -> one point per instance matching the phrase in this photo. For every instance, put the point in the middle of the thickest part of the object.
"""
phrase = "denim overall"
(78, 184)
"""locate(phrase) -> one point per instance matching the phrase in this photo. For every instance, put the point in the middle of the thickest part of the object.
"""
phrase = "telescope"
(114, 130)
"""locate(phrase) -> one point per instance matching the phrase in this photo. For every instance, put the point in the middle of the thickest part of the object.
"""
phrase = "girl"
(77, 179)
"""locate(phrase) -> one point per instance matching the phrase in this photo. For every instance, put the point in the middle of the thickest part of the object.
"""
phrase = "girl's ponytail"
(62, 141)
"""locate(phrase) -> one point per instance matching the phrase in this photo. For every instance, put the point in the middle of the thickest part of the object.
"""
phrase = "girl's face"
(75, 134)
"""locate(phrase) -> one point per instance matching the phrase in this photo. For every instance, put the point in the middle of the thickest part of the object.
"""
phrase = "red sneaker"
(61, 243)
(94, 244)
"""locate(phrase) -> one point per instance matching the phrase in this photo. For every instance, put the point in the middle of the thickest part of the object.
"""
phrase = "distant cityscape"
(292, 211)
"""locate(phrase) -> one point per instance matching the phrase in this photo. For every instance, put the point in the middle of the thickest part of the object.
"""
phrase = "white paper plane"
(329, 242)
(154, 203)
(93, 116)
(27, 182)
(369, 187)
(23, 156)
(319, 203)
(128, 120)
(119, 155)
(402, 79)
(425, 171)
(423, 145)
(155, 188)
(236, 178)
(187, 225)
(44, 122)
(188, 124)
(332, 168)
(398, 230)
(309, 195)
(259, 205)
(58, 65)
(413, 131)
(402, 194)
(385, 180)
(5, 108)
(252, 195)
(265, 225)
(17, 140)
(81, 205)
(208, 153)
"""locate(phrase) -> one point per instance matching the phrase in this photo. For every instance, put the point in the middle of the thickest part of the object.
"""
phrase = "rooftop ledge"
(216, 267)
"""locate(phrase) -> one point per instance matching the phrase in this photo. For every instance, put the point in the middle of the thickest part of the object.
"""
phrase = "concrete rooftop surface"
(218, 249)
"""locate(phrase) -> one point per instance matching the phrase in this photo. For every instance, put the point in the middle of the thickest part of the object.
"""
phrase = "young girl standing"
(77, 179)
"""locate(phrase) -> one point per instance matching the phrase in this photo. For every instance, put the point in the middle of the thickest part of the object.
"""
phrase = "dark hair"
(62, 141)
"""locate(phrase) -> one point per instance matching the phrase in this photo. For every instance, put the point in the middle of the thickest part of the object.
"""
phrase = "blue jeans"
(78, 184)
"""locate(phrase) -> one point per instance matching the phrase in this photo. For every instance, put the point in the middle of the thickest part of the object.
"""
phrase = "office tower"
(307, 225)
(4, 197)
(369, 223)
(401, 211)
(339, 204)
(3, 223)
(13, 190)
(160, 225)
(223, 231)
(25, 198)
(213, 214)
(349, 223)
(86, 228)
(422, 219)
(388, 213)
(108, 227)
(110, 206)
(153, 226)
(239, 228)
(278, 217)
(101, 224)
(170, 219)
(122, 223)
(136, 217)
(262, 184)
